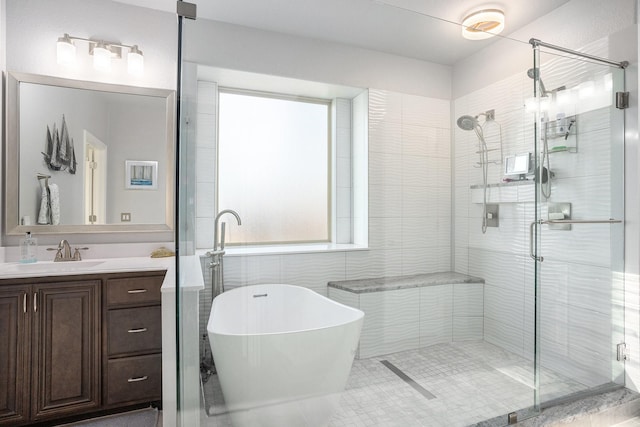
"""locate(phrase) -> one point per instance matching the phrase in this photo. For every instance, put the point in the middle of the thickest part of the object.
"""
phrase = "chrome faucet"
(215, 230)
(65, 248)
(216, 264)
(63, 252)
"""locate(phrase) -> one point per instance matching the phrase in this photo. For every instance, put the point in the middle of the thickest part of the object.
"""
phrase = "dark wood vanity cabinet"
(132, 340)
(15, 347)
(72, 347)
(50, 354)
(65, 350)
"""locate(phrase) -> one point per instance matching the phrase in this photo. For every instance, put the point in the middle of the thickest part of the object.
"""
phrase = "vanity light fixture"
(66, 50)
(135, 61)
(103, 52)
(483, 24)
(102, 57)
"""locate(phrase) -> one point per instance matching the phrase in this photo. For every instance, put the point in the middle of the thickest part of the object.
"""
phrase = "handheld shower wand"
(471, 123)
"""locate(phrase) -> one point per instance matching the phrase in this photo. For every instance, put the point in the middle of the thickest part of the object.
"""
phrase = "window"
(274, 166)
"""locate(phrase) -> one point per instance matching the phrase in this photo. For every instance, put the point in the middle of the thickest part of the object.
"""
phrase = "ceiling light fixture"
(483, 24)
(103, 52)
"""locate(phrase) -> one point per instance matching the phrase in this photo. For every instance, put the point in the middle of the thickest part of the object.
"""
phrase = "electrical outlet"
(125, 217)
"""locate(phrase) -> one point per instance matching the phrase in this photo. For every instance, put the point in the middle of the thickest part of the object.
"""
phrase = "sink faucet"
(63, 252)
(215, 230)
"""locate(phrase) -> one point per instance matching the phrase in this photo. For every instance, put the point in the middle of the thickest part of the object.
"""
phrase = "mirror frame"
(12, 156)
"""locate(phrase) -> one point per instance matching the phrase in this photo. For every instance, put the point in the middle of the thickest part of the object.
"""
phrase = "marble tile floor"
(471, 382)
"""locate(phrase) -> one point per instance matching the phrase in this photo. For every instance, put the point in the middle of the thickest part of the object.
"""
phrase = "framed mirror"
(87, 157)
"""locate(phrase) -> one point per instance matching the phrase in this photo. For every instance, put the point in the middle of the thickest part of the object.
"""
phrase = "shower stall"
(553, 268)
(521, 189)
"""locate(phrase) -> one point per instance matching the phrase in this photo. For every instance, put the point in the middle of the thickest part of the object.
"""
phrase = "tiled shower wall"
(409, 203)
(576, 297)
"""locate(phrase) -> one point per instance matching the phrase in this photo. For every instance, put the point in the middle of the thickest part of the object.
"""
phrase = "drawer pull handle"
(136, 291)
(137, 330)
(137, 379)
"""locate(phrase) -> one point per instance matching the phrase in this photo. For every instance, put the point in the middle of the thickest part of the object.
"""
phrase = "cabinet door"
(66, 348)
(14, 354)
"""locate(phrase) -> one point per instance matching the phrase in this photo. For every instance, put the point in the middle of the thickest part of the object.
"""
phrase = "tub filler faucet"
(216, 264)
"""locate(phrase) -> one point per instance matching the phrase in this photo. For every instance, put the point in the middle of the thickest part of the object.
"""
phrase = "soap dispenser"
(28, 249)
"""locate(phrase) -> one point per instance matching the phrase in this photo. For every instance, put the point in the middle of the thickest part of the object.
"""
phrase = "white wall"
(247, 49)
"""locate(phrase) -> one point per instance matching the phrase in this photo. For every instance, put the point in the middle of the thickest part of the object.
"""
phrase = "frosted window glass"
(273, 168)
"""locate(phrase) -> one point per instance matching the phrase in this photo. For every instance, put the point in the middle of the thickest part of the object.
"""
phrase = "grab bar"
(564, 221)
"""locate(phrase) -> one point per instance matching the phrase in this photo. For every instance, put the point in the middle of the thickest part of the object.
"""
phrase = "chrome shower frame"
(541, 130)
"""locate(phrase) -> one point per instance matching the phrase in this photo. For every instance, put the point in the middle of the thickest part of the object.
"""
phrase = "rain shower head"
(467, 122)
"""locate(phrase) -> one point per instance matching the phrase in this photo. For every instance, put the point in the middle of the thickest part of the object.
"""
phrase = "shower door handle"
(531, 254)
(581, 221)
(564, 221)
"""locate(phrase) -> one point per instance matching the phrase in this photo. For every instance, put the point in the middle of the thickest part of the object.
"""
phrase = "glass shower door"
(577, 235)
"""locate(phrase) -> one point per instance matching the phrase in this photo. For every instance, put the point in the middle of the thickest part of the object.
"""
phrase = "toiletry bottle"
(28, 249)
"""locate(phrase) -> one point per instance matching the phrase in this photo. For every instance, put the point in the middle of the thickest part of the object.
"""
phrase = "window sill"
(309, 248)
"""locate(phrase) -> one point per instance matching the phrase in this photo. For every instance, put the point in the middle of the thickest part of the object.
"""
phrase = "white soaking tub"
(283, 353)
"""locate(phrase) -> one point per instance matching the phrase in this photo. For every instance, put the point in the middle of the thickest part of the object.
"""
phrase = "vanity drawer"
(134, 379)
(134, 330)
(134, 290)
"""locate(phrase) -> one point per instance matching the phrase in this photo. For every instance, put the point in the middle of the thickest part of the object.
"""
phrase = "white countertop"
(190, 269)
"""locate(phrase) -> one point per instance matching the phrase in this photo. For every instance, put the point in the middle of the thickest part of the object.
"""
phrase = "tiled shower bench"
(409, 312)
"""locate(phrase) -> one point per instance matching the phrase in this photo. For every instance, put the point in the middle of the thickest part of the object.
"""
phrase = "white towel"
(55, 204)
(43, 215)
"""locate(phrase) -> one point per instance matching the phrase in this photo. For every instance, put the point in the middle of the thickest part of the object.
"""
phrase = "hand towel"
(43, 215)
(54, 194)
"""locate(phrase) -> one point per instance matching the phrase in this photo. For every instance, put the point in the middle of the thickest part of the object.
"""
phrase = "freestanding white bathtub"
(283, 353)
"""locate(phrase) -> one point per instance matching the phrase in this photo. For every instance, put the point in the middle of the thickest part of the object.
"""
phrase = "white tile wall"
(436, 313)
(406, 319)
(313, 270)
(343, 174)
(206, 163)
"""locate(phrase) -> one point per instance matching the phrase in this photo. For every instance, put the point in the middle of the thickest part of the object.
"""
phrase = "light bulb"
(101, 57)
(66, 50)
(135, 61)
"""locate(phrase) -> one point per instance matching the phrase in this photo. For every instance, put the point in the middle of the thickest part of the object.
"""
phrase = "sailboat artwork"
(60, 154)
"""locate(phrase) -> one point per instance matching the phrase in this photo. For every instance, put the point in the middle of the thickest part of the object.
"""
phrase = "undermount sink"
(47, 267)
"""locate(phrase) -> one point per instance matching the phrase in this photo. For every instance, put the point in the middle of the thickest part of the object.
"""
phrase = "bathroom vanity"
(79, 338)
